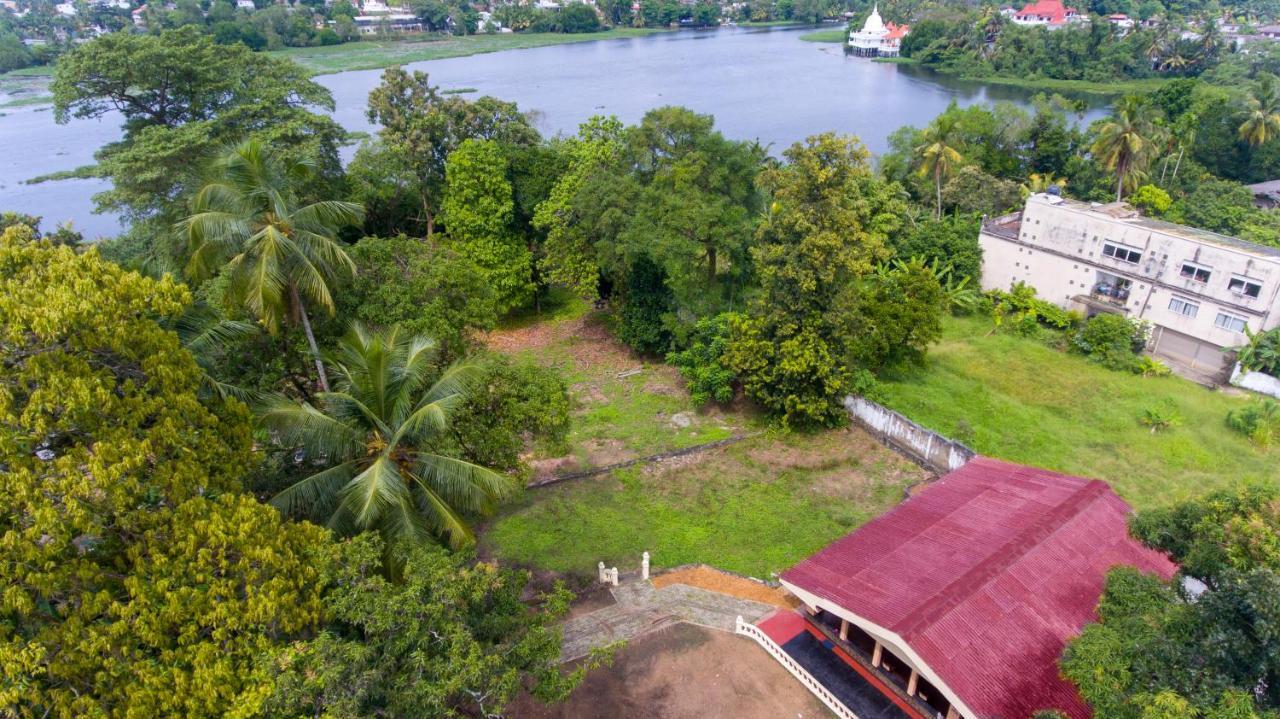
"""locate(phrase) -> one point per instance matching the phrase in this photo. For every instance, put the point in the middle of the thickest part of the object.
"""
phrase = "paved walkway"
(641, 608)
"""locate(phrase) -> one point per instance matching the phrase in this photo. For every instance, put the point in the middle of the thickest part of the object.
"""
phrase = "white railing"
(796, 670)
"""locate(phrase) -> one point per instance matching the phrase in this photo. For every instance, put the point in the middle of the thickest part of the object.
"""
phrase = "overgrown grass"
(1020, 400)
(80, 173)
(28, 101)
(376, 54)
(1117, 87)
(837, 35)
(756, 507)
(33, 71)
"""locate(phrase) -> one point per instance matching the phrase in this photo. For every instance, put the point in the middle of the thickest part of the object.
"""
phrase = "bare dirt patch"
(588, 339)
(683, 672)
(601, 452)
(714, 580)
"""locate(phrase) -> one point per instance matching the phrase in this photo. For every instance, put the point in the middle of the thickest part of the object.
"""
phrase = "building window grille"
(1180, 306)
(1122, 253)
(1244, 286)
(1195, 272)
(1230, 322)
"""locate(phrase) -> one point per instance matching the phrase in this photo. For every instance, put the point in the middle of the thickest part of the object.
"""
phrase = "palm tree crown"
(1262, 123)
(937, 153)
(378, 430)
(279, 254)
(1126, 142)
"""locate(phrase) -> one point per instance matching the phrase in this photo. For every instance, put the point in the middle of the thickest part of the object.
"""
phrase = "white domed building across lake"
(877, 38)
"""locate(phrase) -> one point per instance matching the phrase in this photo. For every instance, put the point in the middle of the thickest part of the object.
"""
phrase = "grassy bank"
(27, 101)
(835, 35)
(35, 71)
(1020, 400)
(1119, 87)
(754, 507)
(376, 54)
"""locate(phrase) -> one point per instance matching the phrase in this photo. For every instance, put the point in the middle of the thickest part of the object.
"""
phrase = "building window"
(1122, 253)
(1180, 306)
(1195, 272)
(1230, 322)
(1244, 286)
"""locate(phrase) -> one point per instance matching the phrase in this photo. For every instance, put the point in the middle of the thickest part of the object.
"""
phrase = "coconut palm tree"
(378, 432)
(1041, 182)
(1126, 141)
(937, 154)
(1262, 124)
(279, 254)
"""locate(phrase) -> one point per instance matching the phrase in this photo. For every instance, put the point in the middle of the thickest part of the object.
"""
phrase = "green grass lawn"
(836, 35)
(1020, 400)
(375, 54)
(755, 507)
(28, 101)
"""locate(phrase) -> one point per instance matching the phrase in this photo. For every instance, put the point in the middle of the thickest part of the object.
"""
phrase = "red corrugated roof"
(896, 32)
(986, 574)
(1051, 10)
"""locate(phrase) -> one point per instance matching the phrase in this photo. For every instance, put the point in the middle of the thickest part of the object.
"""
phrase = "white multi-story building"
(1199, 289)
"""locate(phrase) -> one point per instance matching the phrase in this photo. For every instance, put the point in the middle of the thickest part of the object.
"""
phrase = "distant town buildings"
(1051, 14)
(877, 38)
(1199, 289)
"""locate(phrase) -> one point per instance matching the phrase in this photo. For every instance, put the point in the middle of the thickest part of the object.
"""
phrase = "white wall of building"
(1061, 250)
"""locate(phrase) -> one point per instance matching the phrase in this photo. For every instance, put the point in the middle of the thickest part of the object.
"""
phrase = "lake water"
(766, 85)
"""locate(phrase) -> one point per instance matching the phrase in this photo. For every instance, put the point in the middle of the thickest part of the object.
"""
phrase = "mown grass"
(755, 507)
(33, 71)
(1020, 400)
(376, 54)
(837, 35)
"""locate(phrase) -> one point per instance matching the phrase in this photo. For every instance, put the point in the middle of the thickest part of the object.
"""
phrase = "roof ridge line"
(946, 599)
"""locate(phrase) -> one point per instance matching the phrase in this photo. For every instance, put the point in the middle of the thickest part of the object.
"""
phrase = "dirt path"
(684, 672)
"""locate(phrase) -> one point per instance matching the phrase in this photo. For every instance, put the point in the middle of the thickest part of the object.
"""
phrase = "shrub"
(1150, 367)
(702, 364)
(1259, 421)
(1112, 340)
(646, 301)
(1262, 353)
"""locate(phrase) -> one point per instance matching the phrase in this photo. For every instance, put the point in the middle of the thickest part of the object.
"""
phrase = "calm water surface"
(765, 85)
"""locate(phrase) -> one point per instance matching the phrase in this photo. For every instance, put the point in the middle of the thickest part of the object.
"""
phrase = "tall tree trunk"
(1164, 166)
(711, 266)
(1119, 181)
(311, 338)
(1177, 164)
(937, 184)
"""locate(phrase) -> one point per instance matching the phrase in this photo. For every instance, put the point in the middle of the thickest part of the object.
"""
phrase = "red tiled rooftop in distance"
(986, 574)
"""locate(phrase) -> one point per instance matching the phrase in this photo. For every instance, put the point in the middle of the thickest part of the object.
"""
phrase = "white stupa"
(876, 36)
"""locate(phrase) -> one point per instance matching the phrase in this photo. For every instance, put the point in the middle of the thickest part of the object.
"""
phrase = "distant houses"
(1050, 14)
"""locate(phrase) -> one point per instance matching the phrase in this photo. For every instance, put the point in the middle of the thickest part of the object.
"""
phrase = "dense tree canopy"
(1159, 650)
(127, 589)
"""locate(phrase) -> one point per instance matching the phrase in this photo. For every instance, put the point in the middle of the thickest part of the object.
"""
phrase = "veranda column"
(912, 683)
(844, 630)
(875, 655)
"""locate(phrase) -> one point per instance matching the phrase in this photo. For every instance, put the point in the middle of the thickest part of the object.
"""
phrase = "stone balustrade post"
(644, 566)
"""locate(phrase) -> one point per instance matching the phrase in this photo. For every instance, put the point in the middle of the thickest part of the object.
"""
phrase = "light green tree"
(280, 254)
(477, 211)
(378, 430)
(126, 590)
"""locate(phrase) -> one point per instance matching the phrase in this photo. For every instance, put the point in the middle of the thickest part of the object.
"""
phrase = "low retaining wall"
(925, 446)
(1260, 382)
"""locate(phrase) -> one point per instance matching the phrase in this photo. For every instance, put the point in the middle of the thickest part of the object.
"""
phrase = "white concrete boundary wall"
(796, 670)
(1260, 382)
(934, 450)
